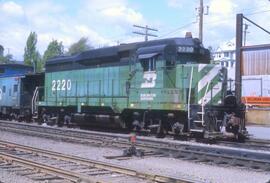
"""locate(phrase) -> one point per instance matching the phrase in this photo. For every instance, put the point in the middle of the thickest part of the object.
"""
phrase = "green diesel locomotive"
(167, 86)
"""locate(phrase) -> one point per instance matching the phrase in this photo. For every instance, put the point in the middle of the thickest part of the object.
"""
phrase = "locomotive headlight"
(102, 104)
(178, 106)
(131, 105)
(60, 103)
(82, 104)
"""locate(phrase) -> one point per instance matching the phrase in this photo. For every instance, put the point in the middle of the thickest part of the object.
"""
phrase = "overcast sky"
(108, 22)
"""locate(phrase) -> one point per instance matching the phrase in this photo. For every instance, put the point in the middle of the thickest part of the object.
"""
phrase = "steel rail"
(176, 147)
(100, 138)
(249, 144)
(92, 140)
(95, 133)
(68, 175)
(107, 139)
(96, 164)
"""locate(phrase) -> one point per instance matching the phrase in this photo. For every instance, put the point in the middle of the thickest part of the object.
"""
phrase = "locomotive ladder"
(199, 113)
(202, 112)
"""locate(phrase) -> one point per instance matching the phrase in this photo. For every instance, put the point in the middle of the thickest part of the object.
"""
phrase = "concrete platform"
(258, 116)
(258, 131)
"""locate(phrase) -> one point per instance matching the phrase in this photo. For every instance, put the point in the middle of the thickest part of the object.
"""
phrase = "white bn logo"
(150, 78)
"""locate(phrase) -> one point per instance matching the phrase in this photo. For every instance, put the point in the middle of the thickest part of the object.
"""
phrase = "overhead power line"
(176, 30)
(257, 25)
(232, 17)
(257, 12)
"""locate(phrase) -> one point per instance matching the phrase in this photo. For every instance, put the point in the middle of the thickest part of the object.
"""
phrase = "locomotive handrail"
(203, 103)
(189, 96)
(34, 100)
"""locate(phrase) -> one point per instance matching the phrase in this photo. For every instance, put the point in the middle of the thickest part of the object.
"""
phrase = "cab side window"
(170, 61)
(149, 64)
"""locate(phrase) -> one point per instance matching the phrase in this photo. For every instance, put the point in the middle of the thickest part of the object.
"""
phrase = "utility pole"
(201, 13)
(145, 32)
(201, 20)
(238, 57)
(245, 33)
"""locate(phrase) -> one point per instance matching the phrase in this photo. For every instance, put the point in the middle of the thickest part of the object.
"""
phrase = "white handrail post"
(189, 96)
(203, 103)
(34, 100)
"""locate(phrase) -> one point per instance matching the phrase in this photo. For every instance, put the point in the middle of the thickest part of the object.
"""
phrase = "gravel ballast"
(11, 177)
(157, 165)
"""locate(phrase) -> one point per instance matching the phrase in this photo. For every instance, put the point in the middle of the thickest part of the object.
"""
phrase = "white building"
(255, 80)
(224, 55)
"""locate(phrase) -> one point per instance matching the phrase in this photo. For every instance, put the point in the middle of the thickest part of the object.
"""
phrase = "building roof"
(15, 65)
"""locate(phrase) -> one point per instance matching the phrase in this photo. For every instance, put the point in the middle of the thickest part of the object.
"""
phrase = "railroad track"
(213, 154)
(41, 165)
(111, 139)
(92, 137)
(253, 144)
(68, 135)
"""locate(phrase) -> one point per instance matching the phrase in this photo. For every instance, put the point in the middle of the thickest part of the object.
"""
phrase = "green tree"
(39, 62)
(79, 46)
(31, 55)
(54, 49)
(6, 59)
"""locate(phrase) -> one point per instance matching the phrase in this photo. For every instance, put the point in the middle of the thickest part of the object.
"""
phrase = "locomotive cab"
(158, 93)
